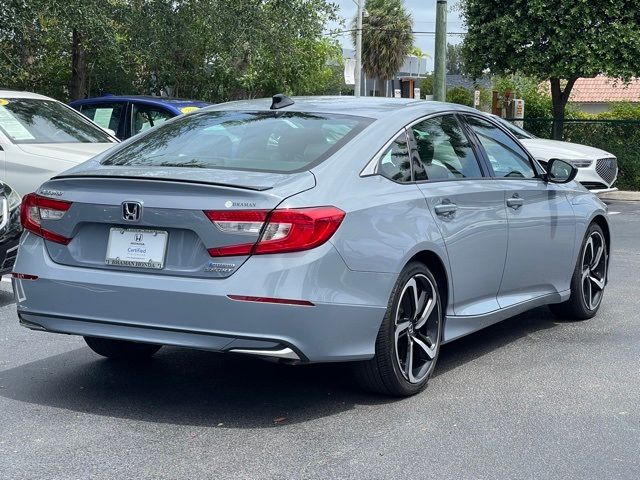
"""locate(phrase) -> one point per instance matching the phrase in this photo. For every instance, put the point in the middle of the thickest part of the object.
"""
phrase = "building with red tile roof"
(595, 95)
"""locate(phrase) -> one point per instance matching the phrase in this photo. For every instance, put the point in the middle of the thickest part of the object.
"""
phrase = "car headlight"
(581, 163)
(13, 199)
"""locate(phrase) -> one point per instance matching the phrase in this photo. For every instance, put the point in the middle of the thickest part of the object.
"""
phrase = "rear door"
(540, 217)
(468, 207)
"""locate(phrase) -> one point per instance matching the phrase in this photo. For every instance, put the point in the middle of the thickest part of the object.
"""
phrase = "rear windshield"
(238, 140)
(29, 120)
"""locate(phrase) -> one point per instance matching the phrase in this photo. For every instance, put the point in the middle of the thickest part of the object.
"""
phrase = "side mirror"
(560, 171)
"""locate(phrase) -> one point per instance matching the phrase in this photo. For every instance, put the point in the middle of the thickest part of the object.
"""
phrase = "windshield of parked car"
(239, 140)
(519, 133)
(29, 120)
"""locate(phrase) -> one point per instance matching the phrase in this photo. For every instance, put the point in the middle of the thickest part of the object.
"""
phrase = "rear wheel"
(408, 342)
(589, 278)
(121, 349)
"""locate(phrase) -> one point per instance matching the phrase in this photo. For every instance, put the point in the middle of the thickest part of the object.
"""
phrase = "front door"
(469, 210)
(540, 218)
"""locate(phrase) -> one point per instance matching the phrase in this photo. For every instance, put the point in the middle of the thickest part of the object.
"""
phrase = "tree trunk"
(559, 98)
(78, 67)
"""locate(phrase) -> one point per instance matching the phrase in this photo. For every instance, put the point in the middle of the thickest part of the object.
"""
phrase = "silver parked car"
(310, 230)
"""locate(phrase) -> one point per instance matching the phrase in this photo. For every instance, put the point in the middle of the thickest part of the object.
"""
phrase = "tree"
(461, 95)
(387, 38)
(455, 60)
(212, 50)
(555, 40)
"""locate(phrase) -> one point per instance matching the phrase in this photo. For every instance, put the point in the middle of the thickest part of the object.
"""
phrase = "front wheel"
(589, 278)
(121, 349)
(408, 342)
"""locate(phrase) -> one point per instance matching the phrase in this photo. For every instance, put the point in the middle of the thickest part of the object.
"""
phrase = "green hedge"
(619, 137)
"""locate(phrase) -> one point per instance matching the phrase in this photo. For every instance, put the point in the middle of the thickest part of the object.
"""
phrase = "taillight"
(287, 230)
(36, 208)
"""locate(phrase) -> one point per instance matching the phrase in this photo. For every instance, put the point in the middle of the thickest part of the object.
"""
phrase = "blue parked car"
(128, 115)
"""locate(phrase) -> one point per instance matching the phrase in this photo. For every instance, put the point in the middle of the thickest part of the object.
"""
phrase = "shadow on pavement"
(6, 297)
(206, 389)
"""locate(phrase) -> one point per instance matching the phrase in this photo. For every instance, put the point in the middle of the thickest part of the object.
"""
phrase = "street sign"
(416, 92)
(397, 93)
(349, 71)
(476, 99)
(518, 112)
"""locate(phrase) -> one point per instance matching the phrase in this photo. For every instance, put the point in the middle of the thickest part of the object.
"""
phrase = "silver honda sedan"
(319, 229)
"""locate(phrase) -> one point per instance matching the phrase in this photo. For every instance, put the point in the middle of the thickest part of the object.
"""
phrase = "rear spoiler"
(256, 188)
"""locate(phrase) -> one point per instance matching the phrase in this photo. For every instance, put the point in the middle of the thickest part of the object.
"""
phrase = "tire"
(402, 335)
(121, 349)
(589, 276)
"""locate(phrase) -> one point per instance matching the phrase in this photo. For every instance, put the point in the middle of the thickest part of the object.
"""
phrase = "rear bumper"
(342, 325)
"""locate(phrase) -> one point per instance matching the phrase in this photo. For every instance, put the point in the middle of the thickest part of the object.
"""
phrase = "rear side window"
(107, 115)
(146, 117)
(505, 156)
(395, 162)
(444, 150)
(238, 140)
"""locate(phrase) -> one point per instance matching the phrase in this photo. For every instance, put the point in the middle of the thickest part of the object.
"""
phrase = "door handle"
(446, 208)
(515, 202)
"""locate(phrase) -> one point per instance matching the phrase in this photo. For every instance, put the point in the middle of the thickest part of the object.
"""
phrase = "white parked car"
(597, 169)
(41, 137)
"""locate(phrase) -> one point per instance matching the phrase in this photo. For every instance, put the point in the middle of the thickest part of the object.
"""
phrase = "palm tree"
(387, 38)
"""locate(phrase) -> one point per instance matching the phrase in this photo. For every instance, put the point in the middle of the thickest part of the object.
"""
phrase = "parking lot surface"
(531, 397)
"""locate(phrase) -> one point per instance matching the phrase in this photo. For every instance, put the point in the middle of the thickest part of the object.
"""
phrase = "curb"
(621, 195)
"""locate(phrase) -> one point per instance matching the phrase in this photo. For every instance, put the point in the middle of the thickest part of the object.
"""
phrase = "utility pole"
(358, 71)
(439, 59)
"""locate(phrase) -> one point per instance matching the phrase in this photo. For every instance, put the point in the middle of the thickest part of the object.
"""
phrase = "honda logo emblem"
(137, 237)
(131, 211)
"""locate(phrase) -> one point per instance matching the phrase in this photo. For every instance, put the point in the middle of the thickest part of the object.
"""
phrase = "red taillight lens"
(290, 230)
(35, 208)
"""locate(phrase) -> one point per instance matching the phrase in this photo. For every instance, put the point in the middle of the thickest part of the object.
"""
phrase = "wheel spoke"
(430, 351)
(426, 313)
(589, 294)
(415, 298)
(408, 364)
(598, 282)
(588, 246)
(400, 329)
(598, 256)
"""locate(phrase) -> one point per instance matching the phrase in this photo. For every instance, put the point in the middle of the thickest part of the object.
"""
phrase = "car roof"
(372, 107)
(19, 94)
(176, 103)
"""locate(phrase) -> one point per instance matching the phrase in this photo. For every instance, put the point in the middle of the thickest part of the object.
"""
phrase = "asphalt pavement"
(529, 398)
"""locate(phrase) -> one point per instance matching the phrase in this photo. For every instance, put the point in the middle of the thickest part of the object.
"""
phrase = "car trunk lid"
(170, 231)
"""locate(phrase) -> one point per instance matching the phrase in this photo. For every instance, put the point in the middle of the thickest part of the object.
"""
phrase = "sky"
(424, 19)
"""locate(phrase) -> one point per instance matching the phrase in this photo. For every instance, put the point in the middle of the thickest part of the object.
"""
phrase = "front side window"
(507, 158)
(241, 140)
(107, 115)
(30, 120)
(519, 133)
(146, 117)
(444, 151)
(395, 162)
